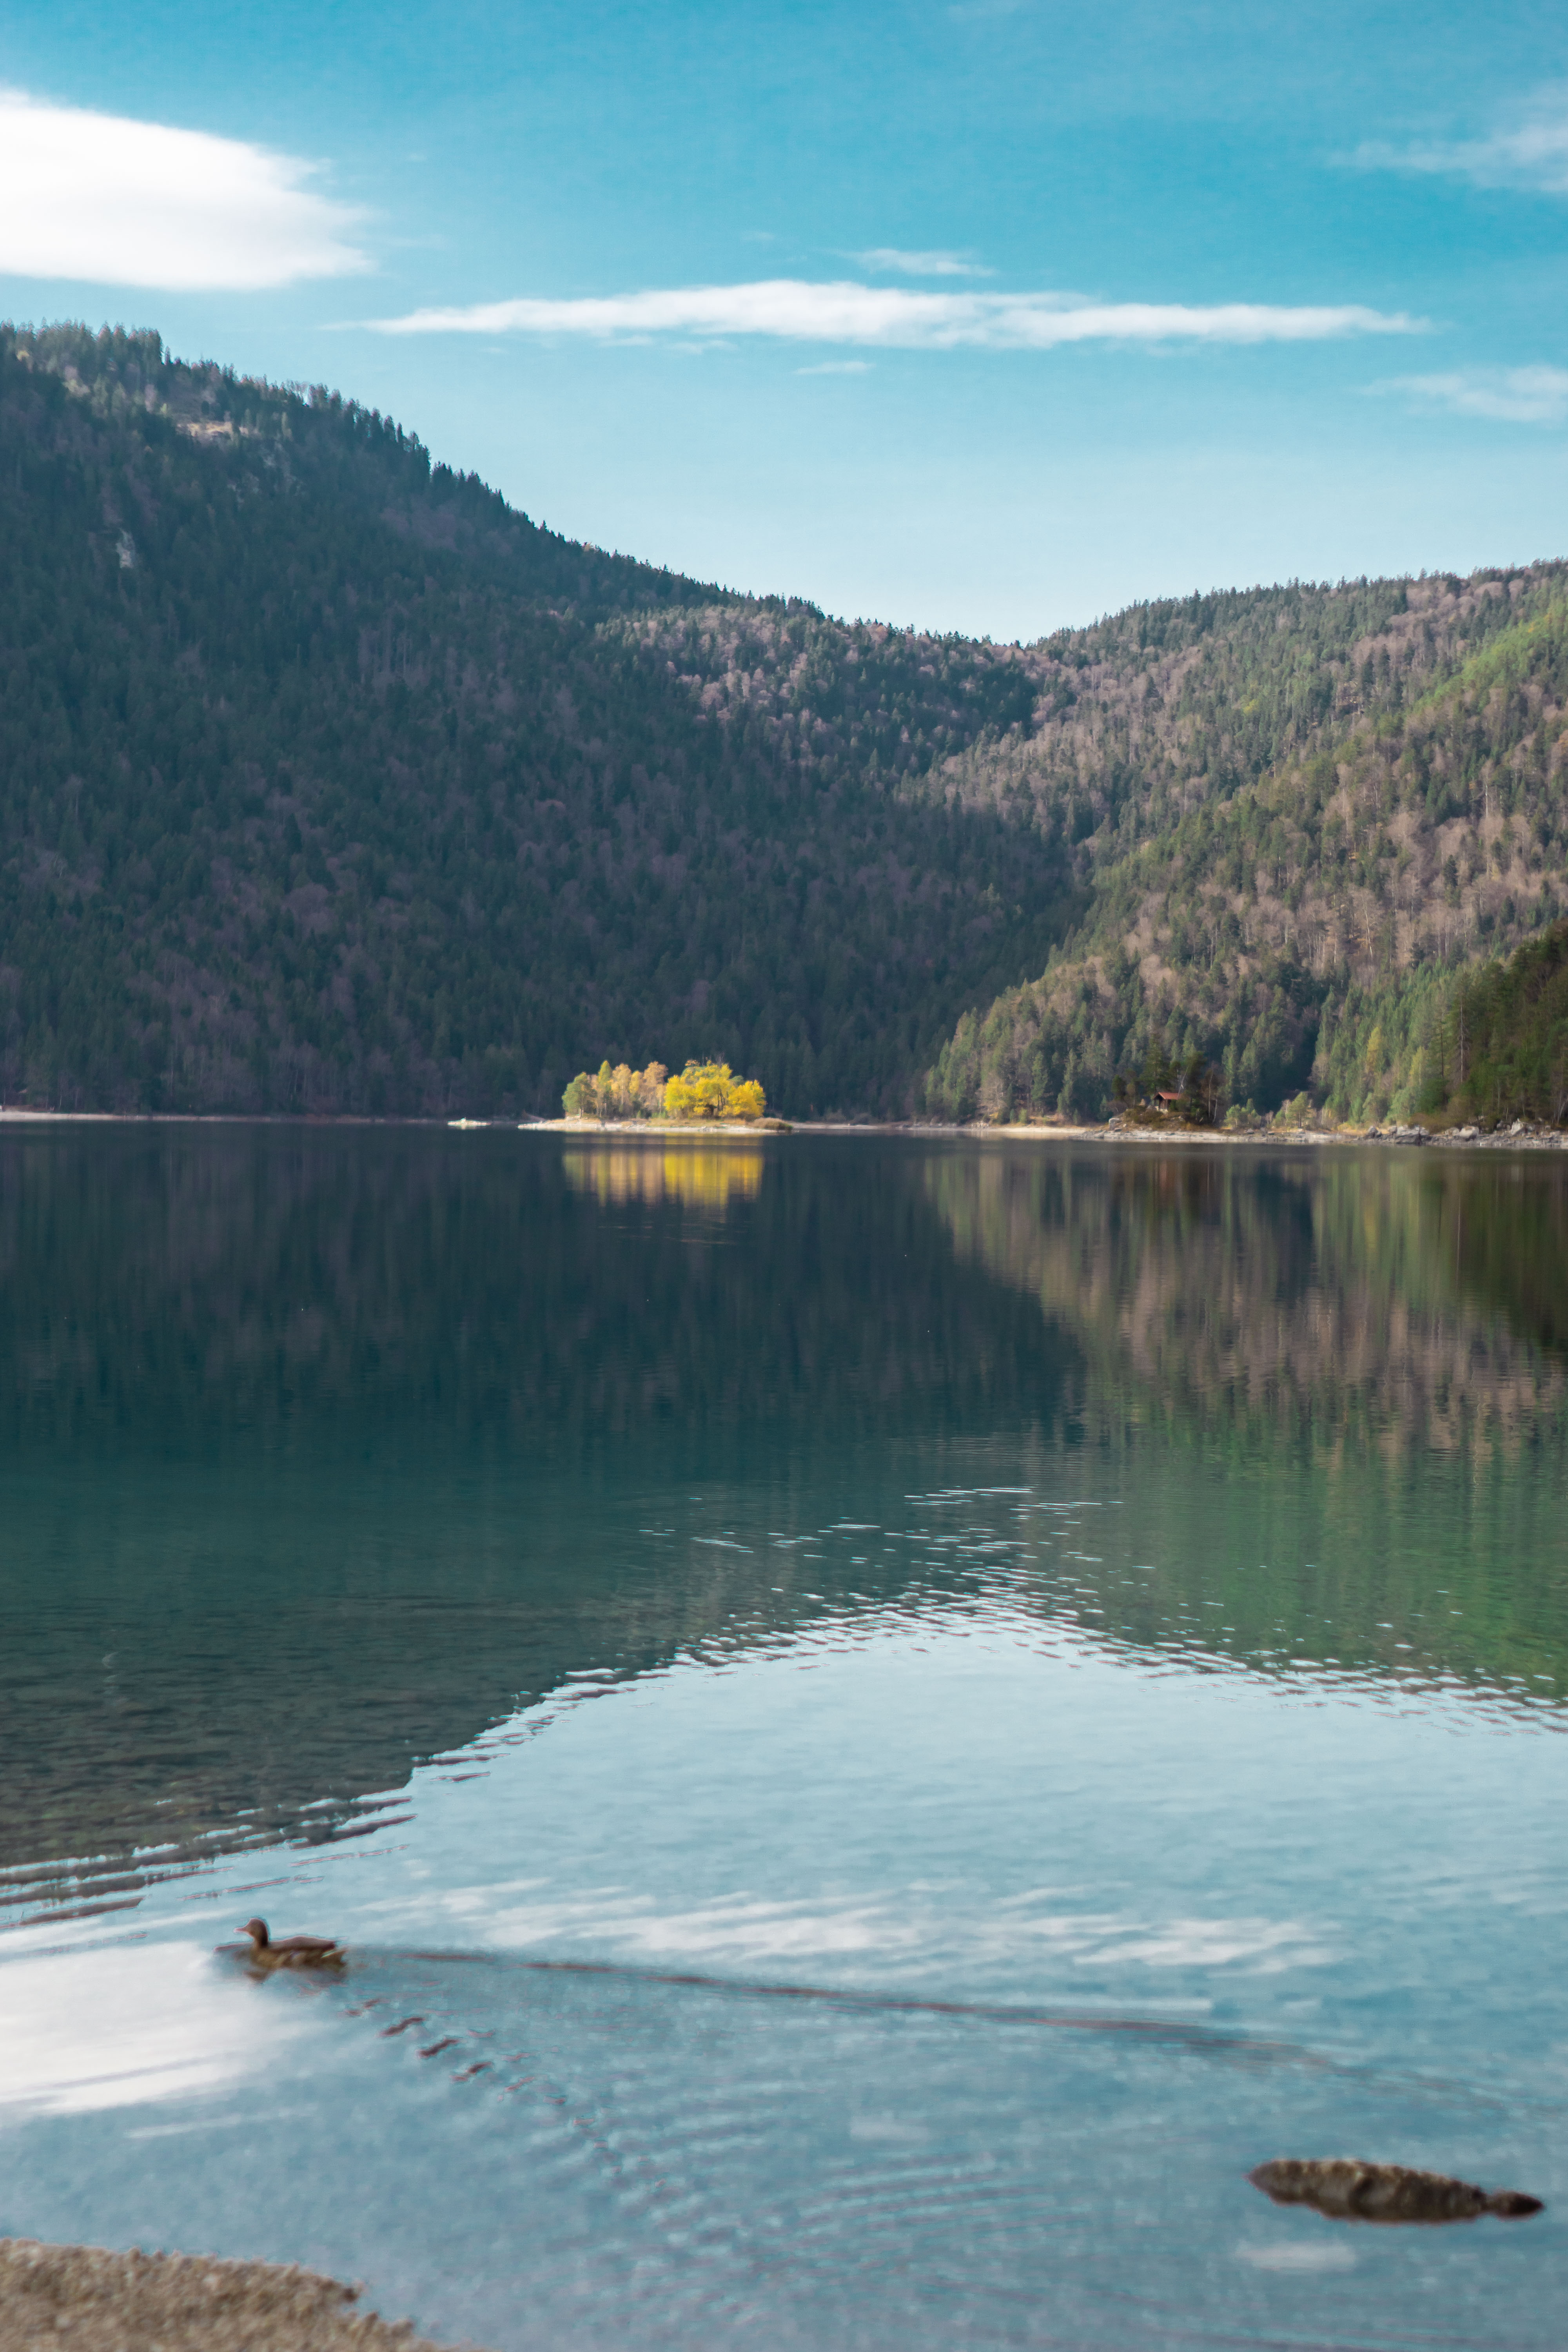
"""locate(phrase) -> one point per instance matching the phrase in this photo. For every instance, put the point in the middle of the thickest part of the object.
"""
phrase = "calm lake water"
(883, 1719)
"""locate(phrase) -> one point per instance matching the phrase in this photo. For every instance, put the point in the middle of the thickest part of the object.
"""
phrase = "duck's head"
(256, 1931)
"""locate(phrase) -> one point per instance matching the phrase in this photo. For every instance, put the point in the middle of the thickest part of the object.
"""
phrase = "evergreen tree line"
(1302, 925)
(1500, 1047)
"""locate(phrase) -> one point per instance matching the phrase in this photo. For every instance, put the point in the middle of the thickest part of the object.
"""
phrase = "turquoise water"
(882, 1719)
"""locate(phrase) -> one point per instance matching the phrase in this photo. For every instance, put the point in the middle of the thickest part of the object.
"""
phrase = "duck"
(293, 1951)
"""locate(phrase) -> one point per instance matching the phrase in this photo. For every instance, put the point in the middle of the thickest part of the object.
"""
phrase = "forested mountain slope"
(1296, 814)
(328, 782)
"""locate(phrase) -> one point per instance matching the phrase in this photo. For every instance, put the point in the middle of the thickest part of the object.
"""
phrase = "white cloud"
(120, 203)
(892, 318)
(881, 259)
(838, 367)
(1521, 395)
(1531, 152)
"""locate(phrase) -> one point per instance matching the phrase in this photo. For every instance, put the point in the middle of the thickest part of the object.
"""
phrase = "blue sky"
(984, 314)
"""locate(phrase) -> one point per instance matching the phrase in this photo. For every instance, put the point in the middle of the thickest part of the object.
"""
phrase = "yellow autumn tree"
(711, 1090)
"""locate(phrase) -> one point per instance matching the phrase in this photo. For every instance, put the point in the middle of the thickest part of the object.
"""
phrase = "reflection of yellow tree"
(697, 1179)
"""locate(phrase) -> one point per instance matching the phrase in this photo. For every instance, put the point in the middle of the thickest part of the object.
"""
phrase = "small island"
(704, 1093)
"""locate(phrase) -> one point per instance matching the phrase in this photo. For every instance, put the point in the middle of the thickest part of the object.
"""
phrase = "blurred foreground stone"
(83, 2296)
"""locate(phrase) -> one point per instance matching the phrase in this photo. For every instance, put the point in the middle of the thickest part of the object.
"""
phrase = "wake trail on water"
(1183, 2036)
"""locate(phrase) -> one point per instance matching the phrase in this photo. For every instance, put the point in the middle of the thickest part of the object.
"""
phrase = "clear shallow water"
(883, 1722)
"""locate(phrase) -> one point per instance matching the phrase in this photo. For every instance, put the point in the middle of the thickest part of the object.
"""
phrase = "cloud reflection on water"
(129, 2024)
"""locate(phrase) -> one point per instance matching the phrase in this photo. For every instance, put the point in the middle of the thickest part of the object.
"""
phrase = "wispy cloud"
(120, 203)
(838, 367)
(881, 259)
(1522, 395)
(1528, 151)
(893, 319)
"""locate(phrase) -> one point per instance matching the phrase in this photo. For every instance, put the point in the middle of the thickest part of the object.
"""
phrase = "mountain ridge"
(330, 783)
(1298, 906)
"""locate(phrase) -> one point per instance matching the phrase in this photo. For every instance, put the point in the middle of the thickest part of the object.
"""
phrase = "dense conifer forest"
(331, 783)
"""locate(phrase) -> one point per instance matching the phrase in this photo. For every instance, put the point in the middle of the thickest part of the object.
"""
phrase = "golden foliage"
(712, 1090)
(704, 1090)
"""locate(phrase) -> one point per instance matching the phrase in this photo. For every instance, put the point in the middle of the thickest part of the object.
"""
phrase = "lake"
(883, 1719)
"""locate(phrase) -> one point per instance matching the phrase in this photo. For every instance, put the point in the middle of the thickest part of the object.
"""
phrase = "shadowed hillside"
(329, 783)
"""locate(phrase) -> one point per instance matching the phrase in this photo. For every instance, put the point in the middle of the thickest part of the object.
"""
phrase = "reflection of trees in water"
(307, 1437)
(1341, 1378)
(1374, 1302)
(286, 1672)
(697, 1176)
(224, 1291)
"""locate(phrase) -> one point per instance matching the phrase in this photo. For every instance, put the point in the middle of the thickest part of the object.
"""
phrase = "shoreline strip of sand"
(1517, 1137)
(93, 2300)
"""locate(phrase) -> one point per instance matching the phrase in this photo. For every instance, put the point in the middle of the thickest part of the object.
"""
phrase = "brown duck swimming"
(293, 1952)
(1348, 2190)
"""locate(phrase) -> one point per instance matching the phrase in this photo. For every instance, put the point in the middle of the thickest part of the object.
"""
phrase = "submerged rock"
(1350, 2191)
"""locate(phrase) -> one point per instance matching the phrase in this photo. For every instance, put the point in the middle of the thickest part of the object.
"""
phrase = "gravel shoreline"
(1519, 1135)
(90, 2300)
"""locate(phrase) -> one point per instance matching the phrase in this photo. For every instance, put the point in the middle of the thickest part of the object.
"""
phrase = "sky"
(988, 315)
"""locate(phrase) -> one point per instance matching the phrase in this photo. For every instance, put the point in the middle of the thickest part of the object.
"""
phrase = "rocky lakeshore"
(1517, 1137)
(95, 2301)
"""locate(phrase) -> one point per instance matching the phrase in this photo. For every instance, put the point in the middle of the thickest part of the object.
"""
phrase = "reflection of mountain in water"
(314, 1442)
(276, 1671)
(1349, 1372)
(1379, 1301)
(235, 1295)
(324, 1449)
